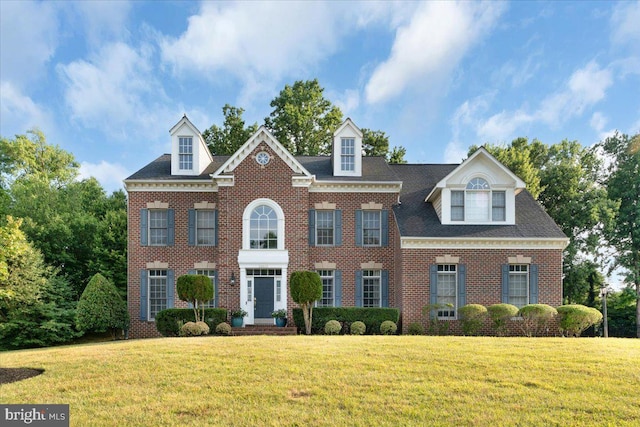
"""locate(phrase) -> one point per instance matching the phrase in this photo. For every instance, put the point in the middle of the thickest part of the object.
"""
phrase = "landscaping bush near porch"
(371, 317)
(169, 321)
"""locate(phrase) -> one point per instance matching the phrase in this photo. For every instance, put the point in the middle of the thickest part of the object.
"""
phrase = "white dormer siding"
(189, 153)
(347, 150)
(479, 191)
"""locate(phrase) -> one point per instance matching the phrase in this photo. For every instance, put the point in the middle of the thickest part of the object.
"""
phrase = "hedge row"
(169, 321)
(371, 317)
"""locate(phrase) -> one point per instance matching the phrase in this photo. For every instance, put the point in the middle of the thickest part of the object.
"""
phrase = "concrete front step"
(264, 330)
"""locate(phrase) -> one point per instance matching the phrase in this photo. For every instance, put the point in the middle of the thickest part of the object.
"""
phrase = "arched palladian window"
(263, 228)
(478, 203)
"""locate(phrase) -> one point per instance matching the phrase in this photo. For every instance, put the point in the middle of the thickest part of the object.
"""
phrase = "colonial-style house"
(379, 234)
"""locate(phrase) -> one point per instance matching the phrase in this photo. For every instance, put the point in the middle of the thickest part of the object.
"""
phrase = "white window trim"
(149, 277)
(183, 154)
(379, 213)
(455, 286)
(246, 224)
(333, 228)
(378, 275)
(166, 213)
(528, 282)
(196, 226)
(333, 287)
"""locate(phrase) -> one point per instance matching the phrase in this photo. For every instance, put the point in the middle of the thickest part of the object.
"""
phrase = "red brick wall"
(484, 277)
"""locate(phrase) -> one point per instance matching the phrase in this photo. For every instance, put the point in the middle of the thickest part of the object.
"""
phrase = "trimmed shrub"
(536, 318)
(305, 288)
(223, 329)
(472, 317)
(416, 328)
(388, 327)
(169, 321)
(358, 328)
(101, 308)
(500, 315)
(194, 329)
(195, 289)
(332, 327)
(575, 318)
(371, 317)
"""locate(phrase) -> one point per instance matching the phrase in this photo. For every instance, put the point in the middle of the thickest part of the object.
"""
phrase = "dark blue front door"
(263, 291)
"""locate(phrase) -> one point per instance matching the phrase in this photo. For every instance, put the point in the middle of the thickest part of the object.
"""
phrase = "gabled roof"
(418, 218)
(262, 135)
(480, 153)
(184, 120)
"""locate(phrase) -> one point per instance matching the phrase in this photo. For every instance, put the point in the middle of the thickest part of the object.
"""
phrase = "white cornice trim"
(481, 243)
(187, 186)
(356, 187)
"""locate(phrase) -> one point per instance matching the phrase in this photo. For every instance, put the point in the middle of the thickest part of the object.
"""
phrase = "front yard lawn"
(337, 381)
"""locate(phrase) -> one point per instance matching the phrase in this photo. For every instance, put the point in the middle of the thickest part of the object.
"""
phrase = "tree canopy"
(227, 139)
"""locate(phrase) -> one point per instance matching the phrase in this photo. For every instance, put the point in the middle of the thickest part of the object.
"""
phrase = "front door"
(263, 302)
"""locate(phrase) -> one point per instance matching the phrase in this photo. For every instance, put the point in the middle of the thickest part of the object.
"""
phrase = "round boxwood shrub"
(332, 327)
(191, 329)
(358, 328)
(500, 314)
(388, 327)
(575, 318)
(536, 318)
(416, 328)
(223, 329)
(472, 317)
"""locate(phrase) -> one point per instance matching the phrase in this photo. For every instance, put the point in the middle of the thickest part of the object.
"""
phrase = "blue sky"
(107, 80)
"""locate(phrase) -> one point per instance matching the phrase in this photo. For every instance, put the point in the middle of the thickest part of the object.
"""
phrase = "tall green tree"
(376, 143)
(303, 120)
(225, 140)
(623, 188)
(36, 307)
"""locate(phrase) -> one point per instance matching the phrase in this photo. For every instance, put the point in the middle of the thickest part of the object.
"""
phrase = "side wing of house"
(471, 233)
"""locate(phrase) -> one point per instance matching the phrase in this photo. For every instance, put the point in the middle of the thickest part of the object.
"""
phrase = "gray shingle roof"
(417, 218)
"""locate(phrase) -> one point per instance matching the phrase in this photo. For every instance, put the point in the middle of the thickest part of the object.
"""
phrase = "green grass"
(337, 381)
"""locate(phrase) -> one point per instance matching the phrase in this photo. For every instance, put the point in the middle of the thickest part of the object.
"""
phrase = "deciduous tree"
(225, 140)
(623, 187)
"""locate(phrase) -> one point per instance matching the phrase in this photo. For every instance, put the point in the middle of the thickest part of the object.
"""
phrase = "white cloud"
(625, 24)
(254, 40)
(430, 46)
(19, 113)
(598, 121)
(28, 39)
(116, 91)
(102, 21)
(110, 175)
(348, 101)
(585, 88)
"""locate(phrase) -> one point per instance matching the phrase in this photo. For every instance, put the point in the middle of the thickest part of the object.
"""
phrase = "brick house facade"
(379, 235)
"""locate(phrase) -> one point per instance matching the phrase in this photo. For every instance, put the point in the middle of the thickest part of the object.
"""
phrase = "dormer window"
(347, 154)
(185, 152)
(478, 203)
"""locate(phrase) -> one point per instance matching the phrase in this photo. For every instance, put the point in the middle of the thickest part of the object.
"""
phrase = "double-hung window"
(157, 282)
(447, 291)
(328, 288)
(158, 227)
(205, 227)
(371, 288)
(478, 203)
(371, 229)
(519, 284)
(325, 228)
(185, 152)
(347, 154)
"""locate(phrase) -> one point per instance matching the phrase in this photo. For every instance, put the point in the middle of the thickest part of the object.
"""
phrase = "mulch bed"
(11, 375)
